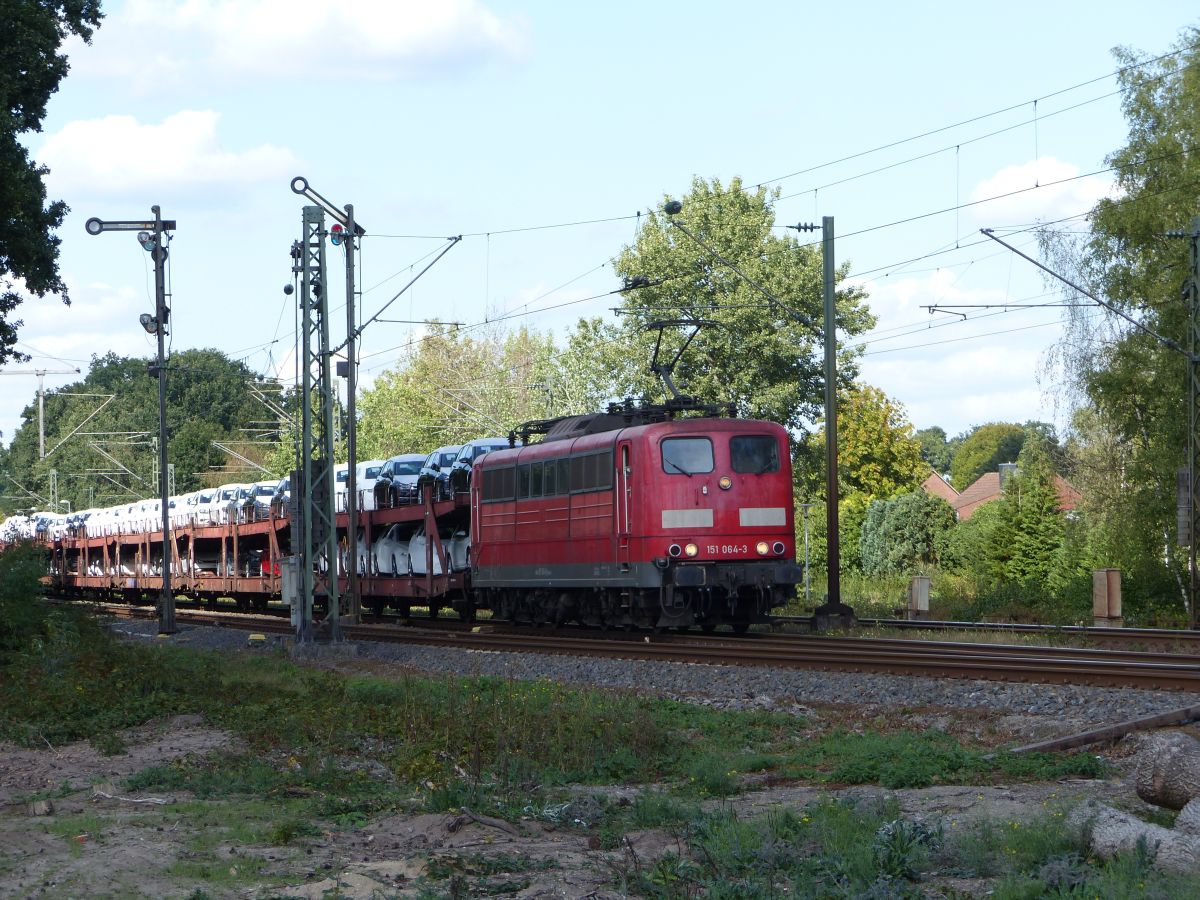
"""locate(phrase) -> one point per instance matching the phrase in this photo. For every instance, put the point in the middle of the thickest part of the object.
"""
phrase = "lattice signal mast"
(313, 494)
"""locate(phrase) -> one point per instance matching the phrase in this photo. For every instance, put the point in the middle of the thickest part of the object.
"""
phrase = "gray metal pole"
(41, 374)
(354, 610)
(1194, 420)
(166, 608)
(302, 489)
(807, 586)
(329, 501)
(833, 613)
(831, 467)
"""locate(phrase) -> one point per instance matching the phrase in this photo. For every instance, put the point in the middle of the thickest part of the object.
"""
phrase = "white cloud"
(375, 39)
(953, 372)
(1043, 190)
(901, 300)
(116, 155)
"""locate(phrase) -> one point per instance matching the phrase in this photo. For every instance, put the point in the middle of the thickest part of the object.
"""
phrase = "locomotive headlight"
(762, 548)
(778, 547)
(726, 482)
(674, 550)
(691, 550)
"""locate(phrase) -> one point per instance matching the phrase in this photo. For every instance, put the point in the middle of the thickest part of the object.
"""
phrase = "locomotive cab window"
(756, 454)
(687, 456)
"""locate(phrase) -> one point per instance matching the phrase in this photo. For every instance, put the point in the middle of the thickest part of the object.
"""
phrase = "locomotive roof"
(616, 417)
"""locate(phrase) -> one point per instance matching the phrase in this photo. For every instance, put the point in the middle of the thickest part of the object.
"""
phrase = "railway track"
(1006, 662)
(1164, 639)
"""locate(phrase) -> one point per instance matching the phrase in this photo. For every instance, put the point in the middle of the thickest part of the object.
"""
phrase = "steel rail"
(925, 658)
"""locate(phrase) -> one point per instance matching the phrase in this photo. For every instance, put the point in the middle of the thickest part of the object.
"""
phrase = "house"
(938, 486)
(990, 485)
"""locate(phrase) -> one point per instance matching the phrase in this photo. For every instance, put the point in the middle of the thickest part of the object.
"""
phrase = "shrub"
(22, 610)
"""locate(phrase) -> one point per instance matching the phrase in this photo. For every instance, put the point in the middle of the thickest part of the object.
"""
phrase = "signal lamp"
(335, 234)
(149, 322)
(726, 482)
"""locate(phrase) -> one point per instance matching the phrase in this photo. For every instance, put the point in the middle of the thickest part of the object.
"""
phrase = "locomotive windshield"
(687, 456)
(754, 453)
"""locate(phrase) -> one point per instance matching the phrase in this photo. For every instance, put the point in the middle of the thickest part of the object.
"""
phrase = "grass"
(320, 751)
(842, 848)
(78, 830)
(350, 747)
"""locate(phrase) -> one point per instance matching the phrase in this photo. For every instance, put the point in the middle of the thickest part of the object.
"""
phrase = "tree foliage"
(983, 450)
(209, 398)
(31, 68)
(1031, 528)
(878, 457)
(755, 354)
(456, 387)
(902, 535)
(1128, 387)
(936, 449)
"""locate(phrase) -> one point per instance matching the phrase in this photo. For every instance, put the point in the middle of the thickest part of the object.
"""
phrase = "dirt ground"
(67, 829)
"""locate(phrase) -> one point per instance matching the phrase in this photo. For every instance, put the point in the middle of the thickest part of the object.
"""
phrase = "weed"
(109, 743)
(991, 848)
(78, 831)
(219, 872)
(919, 759)
(653, 809)
(282, 833)
(902, 847)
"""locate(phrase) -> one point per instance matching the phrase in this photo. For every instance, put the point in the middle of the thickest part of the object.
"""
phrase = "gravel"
(726, 687)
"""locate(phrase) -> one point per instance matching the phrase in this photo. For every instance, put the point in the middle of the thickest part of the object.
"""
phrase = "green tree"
(878, 457)
(456, 387)
(902, 535)
(1029, 537)
(984, 449)
(31, 68)
(1131, 389)
(968, 547)
(112, 455)
(936, 449)
(755, 354)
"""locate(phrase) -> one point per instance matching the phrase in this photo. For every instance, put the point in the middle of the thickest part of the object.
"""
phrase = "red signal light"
(336, 234)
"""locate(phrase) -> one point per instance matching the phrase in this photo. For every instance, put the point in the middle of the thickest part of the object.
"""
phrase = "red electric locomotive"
(636, 518)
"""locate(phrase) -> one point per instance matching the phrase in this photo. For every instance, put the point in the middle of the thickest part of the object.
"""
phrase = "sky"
(539, 130)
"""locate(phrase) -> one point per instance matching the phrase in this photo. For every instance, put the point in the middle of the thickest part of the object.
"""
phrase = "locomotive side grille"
(763, 515)
(687, 518)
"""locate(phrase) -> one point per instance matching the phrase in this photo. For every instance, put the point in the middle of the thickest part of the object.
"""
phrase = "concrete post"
(918, 597)
(1106, 598)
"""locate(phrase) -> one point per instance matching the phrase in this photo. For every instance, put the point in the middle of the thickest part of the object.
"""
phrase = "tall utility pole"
(151, 235)
(41, 395)
(345, 231)
(833, 613)
(355, 600)
(1193, 489)
(314, 490)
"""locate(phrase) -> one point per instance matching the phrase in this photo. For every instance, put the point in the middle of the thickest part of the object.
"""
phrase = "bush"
(901, 535)
(22, 609)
